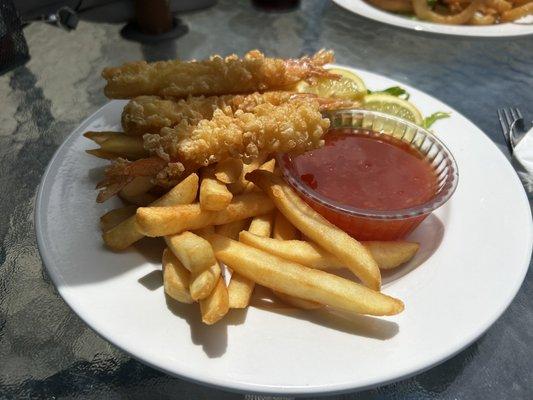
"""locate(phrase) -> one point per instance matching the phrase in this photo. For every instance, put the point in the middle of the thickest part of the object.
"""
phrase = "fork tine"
(503, 123)
(508, 117)
(519, 113)
(505, 120)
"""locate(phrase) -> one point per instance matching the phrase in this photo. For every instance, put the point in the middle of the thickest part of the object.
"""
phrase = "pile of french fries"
(245, 220)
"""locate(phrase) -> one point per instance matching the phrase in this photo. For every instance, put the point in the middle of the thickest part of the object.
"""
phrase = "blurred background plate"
(361, 7)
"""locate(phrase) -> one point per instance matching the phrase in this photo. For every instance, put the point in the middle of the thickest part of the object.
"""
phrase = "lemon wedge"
(393, 105)
(348, 87)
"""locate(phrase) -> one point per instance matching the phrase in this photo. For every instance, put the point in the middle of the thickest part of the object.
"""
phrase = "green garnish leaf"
(428, 121)
(394, 91)
(431, 3)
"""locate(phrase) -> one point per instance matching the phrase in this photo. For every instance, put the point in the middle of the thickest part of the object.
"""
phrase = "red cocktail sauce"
(367, 171)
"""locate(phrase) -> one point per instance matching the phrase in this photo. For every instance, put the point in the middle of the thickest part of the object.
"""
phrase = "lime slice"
(348, 87)
(393, 105)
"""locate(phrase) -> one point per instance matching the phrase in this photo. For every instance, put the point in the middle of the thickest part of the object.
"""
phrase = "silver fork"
(511, 119)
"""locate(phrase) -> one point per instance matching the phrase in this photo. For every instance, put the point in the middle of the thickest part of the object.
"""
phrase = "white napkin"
(523, 161)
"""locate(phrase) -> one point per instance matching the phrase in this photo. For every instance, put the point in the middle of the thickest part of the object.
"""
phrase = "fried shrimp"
(215, 76)
(247, 133)
(149, 114)
(295, 126)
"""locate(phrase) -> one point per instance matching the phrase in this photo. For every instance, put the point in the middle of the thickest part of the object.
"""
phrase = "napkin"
(523, 161)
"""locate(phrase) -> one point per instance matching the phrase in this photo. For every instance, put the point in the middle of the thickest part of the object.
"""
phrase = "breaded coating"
(295, 126)
(215, 76)
(149, 114)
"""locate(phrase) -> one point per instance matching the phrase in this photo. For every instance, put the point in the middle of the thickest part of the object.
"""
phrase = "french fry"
(240, 288)
(348, 250)
(114, 217)
(214, 195)
(126, 233)
(139, 185)
(161, 221)
(387, 254)
(232, 229)
(202, 284)
(228, 170)
(262, 225)
(302, 282)
(176, 278)
(297, 302)
(216, 305)
(283, 229)
(390, 255)
(239, 186)
(196, 254)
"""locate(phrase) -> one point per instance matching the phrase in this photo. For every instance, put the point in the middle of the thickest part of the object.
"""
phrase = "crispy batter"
(215, 76)
(149, 114)
(295, 126)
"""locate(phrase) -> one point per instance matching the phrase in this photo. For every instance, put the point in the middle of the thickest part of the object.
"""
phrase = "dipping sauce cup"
(381, 217)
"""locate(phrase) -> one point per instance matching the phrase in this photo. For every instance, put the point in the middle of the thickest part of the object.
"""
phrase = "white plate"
(522, 27)
(474, 254)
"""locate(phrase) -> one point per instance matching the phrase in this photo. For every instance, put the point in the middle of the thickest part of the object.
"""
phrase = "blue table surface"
(47, 352)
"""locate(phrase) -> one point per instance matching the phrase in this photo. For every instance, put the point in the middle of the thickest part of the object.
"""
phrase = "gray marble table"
(47, 352)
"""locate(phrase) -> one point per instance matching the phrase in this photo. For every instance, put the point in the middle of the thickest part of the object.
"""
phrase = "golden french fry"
(161, 221)
(239, 186)
(139, 185)
(141, 200)
(302, 282)
(105, 155)
(240, 288)
(283, 229)
(262, 225)
(229, 170)
(216, 305)
(305, 253)
(214, 195)
(387, 254)
(232, 229)
(296, 302)
(390, 255)
(196, 254)
(176, 278)
(114, 217)
(203, 283)
(352, 253)
(240, 291)
(126, 233)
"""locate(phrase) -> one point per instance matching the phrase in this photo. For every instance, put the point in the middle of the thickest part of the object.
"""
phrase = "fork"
(510, 119)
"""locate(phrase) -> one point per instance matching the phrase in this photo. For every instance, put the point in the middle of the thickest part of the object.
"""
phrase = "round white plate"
(474, 254)
(522, 27)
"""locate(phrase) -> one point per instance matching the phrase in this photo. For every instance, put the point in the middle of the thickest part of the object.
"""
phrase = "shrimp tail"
(121, 172)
